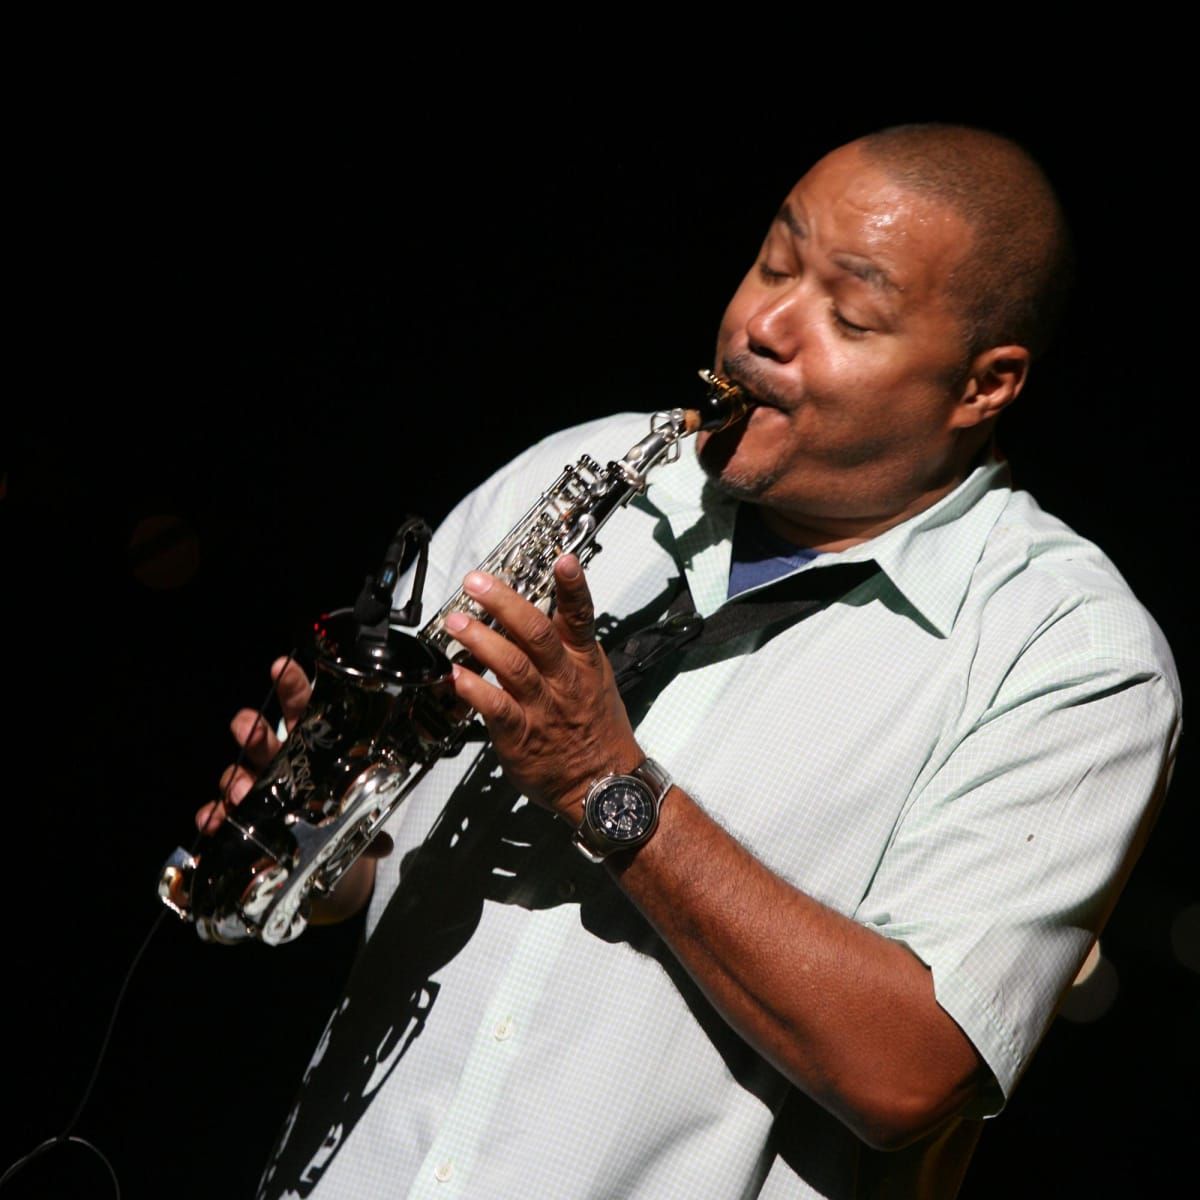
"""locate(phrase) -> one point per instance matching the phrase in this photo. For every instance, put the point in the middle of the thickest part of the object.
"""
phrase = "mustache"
(744, 370)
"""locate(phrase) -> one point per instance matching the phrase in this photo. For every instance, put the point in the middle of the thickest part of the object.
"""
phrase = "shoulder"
(501, 500)
(603, 439)
(489, 511)
(534, 469)
(1060, 599)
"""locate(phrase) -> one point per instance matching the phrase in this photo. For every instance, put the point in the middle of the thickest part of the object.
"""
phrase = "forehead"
(848, 206)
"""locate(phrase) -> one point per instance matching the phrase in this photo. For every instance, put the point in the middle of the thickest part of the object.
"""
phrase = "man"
(900, 808)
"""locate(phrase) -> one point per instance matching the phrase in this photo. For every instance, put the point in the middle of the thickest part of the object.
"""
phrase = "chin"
(718, 455)
(740, 484)
(744, 487)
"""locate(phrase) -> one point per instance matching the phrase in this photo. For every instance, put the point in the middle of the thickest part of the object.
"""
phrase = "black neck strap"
(774, 607)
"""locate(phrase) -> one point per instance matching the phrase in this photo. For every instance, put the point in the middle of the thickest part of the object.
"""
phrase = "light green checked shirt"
(961, 753)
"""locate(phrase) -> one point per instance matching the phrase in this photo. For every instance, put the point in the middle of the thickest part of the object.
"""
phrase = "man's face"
(844, 333)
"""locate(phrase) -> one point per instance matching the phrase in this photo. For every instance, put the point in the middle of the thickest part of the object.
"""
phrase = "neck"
(827, 534)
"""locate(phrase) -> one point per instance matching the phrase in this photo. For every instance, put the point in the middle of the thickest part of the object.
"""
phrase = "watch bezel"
(591, 838)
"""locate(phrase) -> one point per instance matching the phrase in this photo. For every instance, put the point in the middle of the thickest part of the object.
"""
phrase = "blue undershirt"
(760, 556)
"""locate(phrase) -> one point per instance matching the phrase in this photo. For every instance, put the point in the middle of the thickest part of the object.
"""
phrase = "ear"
(994, 381)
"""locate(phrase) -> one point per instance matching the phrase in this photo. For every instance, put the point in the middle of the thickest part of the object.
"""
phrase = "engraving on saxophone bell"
(383, 708)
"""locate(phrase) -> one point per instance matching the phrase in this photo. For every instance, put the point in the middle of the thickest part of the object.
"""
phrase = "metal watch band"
(593, 844)
(655, 777)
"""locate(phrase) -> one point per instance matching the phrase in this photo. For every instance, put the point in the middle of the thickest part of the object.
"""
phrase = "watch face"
(623, 811)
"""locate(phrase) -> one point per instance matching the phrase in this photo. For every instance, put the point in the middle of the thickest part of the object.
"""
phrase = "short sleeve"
(1011, 855)
(476, 525)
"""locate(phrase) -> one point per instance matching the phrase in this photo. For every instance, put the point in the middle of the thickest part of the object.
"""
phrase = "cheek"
(841, 380)
(869, 382)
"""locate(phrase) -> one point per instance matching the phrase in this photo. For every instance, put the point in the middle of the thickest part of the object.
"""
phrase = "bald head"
(1012, 283)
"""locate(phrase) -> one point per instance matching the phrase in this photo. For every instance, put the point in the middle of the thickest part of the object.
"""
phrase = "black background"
(285, 327)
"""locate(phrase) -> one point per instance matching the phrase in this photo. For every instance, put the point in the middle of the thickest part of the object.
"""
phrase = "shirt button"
(503, 1030)
(443, 1171)
(566, 888)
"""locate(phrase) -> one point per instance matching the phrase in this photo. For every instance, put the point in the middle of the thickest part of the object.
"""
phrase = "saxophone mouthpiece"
(724, 404)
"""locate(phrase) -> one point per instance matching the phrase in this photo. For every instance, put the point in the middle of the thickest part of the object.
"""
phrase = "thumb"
(574, 613)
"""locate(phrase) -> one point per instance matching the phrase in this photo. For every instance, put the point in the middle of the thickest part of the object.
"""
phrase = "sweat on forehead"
(1013, 283)
(886, 235)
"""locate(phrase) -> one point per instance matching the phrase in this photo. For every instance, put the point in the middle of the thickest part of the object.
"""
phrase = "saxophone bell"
(381, 713)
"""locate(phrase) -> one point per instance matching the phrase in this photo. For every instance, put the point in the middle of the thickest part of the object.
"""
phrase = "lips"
(758, 400)
(756, 395)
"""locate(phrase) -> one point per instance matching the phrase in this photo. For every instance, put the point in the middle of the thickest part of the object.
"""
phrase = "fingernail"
(568, 566)
(477, 583)
(456, 622)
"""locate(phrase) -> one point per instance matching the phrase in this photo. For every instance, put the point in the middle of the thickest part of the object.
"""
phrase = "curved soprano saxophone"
(383, 708)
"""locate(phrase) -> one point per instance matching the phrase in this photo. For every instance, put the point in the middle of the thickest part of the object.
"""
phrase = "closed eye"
(770, 274)
(848, 327)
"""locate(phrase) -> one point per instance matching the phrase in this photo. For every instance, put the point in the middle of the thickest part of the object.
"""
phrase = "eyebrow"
(869, 271)
(792, 221)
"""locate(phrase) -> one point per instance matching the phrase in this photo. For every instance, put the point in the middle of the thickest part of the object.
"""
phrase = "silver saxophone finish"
(383, 711)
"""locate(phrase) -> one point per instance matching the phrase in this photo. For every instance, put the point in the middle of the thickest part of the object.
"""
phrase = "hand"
(557, 721)
(252, 731)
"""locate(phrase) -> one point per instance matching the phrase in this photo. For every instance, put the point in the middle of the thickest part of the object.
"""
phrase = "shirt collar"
(929, 558)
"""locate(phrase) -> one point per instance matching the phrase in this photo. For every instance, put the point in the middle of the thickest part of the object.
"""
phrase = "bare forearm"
(844, 1013)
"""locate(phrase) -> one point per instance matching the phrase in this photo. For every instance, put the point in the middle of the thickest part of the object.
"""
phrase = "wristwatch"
(621, 811)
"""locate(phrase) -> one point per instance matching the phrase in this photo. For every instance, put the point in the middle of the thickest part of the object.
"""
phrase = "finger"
(209, 818)
(498, 709)
(510, 664)
(527, 626)
(292, 688)
(235, 783)
(252, 732)
(575, 614)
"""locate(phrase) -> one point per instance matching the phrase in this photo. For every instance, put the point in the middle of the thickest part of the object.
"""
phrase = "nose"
(775, 329)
